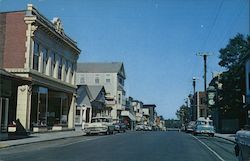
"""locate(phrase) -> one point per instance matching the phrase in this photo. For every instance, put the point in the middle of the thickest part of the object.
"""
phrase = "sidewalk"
(39, 137)
(229, 137)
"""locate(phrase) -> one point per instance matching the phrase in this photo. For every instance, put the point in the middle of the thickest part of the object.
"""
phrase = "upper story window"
(45, 59)
(120, 81)
(119, 98)
(82, 81)
(97, 80)
(107, 80)
(53, 62)
(36, 56)
(73, 68)
(66, 66)
(60, 68)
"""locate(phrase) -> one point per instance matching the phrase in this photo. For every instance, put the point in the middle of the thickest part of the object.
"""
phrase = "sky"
(157, 40)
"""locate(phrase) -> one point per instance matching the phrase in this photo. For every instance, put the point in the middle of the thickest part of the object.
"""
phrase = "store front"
(49, 110)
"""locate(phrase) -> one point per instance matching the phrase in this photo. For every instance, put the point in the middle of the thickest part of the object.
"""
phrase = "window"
(119, 98)
(82, 81)
(53, 63)
(72, 69)
(97, 81)
(66, 66)
(45, 59)
(78, 112)
(36, 56)
(60, 68)
(107, 80)
(120, 81)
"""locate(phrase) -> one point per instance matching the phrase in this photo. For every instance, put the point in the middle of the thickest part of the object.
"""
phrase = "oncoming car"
(204, 126)
(99, 125)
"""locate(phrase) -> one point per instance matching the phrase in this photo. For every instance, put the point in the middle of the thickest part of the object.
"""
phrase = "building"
(151, 111)
(90, 103)
(9, 84)
(199, 106)
(112, 77)
(129, 114)
(38, 49)
(137, 106)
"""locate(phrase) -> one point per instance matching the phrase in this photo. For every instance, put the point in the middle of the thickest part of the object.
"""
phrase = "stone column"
(71, 118)
(24, 106)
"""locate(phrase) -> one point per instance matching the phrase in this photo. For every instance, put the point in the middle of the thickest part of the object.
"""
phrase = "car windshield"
(100, 120)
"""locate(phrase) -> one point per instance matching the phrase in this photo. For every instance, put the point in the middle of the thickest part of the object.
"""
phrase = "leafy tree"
(233, 79)
(183, 114)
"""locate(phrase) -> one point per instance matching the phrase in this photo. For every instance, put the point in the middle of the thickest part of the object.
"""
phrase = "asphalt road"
(130, 146)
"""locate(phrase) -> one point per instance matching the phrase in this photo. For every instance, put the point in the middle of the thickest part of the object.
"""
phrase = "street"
(132, 146)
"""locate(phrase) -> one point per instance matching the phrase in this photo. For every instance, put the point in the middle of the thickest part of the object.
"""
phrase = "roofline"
(50, 25)
(12, 11)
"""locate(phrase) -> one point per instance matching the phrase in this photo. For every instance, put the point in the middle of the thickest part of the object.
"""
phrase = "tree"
(233, 79)
(183, 114)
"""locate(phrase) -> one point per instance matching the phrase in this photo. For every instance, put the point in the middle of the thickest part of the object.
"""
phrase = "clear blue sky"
(156, 39)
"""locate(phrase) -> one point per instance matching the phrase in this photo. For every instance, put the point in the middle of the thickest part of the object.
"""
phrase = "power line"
(213, 24)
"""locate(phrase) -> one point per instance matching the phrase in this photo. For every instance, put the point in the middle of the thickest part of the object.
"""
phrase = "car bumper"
(95, 130)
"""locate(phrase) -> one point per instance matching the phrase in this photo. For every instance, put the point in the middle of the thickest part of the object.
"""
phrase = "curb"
(3, 146)
(233, 141)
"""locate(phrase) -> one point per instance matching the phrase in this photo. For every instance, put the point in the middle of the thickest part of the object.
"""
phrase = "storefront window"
(39, 106)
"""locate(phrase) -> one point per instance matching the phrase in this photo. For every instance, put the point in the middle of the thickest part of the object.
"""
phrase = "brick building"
(33, 47)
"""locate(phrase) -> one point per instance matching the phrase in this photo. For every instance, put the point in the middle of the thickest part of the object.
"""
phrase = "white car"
(99, 125)
(242, 148)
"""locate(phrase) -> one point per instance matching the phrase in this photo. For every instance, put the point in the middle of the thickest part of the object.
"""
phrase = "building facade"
(90, 103)
(138, 106)
(199, 106)
(37, 48)
(112, 77)
(129, 114)
(151, 111)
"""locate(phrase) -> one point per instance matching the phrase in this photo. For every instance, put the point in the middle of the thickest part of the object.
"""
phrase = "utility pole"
(205, 55)
(194, 100)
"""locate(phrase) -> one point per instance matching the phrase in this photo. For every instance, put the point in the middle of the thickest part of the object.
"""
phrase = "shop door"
(4, 105)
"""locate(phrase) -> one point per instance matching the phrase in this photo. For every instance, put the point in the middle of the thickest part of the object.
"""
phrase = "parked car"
(147, 128)
(204, 126)
(242, 148)
(139, 127)
(99, 125)
(190, 127)
(120, 127)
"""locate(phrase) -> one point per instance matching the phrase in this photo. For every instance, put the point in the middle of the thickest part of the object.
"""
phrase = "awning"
(128, 114)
